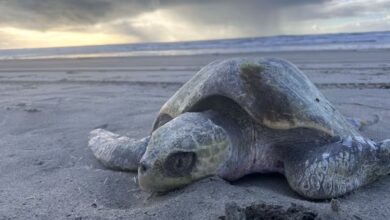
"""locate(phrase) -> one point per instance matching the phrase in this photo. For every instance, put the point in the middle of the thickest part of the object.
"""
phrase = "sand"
(48, 107)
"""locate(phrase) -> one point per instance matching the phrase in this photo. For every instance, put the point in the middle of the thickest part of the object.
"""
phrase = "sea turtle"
(248, 115)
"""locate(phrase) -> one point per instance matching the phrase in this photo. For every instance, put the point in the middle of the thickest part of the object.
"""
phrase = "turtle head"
(185, 149)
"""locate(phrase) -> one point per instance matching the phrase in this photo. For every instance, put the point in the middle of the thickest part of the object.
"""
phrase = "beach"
(49, 106)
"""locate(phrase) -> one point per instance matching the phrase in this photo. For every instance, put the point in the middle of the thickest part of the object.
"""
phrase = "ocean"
(342, 41)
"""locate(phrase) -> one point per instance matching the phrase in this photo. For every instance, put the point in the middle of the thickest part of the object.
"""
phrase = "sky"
(53, 23)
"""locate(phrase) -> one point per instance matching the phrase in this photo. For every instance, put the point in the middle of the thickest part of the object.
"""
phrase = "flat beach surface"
(48, 107)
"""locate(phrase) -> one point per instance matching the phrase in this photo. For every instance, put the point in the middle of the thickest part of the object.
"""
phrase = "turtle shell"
(274, 92)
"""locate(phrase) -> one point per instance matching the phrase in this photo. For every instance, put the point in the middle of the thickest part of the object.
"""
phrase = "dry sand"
(48, 107)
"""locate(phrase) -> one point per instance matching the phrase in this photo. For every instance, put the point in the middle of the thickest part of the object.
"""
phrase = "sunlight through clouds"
(166, 25)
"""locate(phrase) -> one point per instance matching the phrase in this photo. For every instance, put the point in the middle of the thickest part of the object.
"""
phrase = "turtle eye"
(179, 164)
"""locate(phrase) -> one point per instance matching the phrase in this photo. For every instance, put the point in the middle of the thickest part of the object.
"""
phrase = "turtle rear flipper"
(385, 155)
(337, 168)
(115, 151)
(361, 124)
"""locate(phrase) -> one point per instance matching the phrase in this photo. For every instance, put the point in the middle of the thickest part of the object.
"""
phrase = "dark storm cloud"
(251, 17)
(47, 14)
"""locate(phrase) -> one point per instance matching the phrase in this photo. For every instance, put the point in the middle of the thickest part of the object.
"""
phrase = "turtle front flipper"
(337, 168)
(115, 151)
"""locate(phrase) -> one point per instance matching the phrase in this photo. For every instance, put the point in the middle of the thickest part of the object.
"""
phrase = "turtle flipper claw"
(115, 151)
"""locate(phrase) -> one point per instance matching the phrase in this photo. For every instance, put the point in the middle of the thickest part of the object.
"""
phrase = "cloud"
(177, 20)
(198, 20)
(49, 14)
(340, 16)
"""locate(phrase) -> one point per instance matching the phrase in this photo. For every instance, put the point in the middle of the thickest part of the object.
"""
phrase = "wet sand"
(48, 107)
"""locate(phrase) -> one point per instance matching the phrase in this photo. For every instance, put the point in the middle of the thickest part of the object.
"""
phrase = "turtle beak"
(148, 179)
(144, 175)
(151, 179)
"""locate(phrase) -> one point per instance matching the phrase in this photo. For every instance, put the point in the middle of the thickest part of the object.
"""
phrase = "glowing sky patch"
(57, 38)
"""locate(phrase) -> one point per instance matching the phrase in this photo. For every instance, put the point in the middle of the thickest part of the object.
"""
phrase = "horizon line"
(192, 41)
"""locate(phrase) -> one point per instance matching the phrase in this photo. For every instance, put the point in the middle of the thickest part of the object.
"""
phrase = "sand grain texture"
(48, 107)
